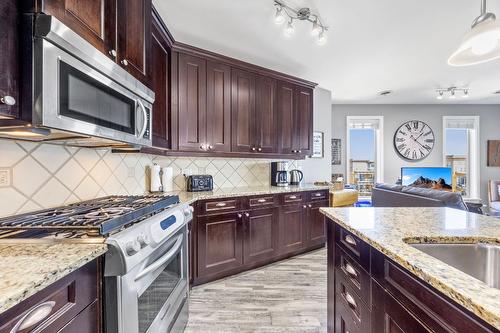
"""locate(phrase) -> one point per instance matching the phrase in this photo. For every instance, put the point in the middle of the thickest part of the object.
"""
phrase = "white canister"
(167, 179)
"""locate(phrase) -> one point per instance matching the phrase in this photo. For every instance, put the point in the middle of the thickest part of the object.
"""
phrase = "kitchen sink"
(481, 261)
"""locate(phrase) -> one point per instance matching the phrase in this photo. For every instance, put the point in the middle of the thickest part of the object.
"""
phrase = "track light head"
(289, 29)
(279, 17)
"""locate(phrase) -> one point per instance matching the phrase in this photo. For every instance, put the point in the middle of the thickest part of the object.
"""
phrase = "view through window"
(456, 152)
(362, 159)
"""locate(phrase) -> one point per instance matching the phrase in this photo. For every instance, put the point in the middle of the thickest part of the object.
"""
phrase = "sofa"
(494, 195)
(388, 195)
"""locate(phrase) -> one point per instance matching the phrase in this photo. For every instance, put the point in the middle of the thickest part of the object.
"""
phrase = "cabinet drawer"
(292, 198)
(353, 246)
(220, 206)
(352, 315)
(318, 195)
(62, 300)
(355, 276)
(261, 201)
(426, 303)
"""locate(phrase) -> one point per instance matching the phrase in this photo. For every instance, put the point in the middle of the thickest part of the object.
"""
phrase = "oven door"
(155, 291)
(79, 98)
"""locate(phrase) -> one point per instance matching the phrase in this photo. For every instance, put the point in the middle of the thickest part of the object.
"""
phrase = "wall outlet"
(4, 177)
(202, 170)
(131, 172)
(187, 172)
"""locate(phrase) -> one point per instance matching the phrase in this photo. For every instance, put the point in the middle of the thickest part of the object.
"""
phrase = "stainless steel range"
(146, 267)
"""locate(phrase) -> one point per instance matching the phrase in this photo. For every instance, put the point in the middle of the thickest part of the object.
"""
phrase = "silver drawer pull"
(350, 270)
(261, 200)
(221, 204)
(350, 300)
(34, 316)
(293, 197)
(350, 240)
(317, 195)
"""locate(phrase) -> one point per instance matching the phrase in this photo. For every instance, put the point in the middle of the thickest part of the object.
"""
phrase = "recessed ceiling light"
(496, 92)
(385, 92)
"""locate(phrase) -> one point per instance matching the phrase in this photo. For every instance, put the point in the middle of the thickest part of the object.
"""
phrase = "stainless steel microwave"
(74, 91)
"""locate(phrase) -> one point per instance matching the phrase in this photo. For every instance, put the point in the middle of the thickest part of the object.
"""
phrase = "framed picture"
(318, 145)
(494, 153)
(336, 152)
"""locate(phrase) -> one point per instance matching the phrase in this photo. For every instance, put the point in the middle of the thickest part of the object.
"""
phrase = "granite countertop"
(389, 230)
(26, 268)
(191, 197)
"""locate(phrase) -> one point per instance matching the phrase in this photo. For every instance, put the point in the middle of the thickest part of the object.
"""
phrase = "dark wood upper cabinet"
(94, 20)
(134, 36)
(160, 83)
(261, 235)
(286, 112)
(304, 122)
(9, 59)
(192, 101)
(266, 115)
(243, 111)
(218, 107)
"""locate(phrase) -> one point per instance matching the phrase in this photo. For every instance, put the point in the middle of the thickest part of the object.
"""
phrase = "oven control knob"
(143, 240)
(132, 247)
(188, 211)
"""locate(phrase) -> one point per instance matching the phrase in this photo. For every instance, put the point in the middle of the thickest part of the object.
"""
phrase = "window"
(364, 153)
(461, 153)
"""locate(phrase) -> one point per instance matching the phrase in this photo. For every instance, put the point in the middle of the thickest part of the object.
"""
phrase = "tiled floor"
(289, 296)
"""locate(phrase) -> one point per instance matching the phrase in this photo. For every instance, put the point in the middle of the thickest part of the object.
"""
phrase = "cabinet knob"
(240, 216)
(254, 149)
(8, 100)
(112, 53)
(304, 206)
(309, 205)
(247, 214)
(124, 62)
(203, 147)
(299, 151)
(211, 147)
(259, 149)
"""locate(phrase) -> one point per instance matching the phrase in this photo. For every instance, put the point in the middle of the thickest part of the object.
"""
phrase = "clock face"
(414, 140)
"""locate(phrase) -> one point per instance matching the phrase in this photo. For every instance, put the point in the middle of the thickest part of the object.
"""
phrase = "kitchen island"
(378, 282)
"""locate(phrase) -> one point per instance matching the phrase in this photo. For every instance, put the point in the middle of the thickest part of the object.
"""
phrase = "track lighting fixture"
(284, 11)
(452, 91)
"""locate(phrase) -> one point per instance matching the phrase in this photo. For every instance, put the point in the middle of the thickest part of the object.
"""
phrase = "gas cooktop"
(97, 217)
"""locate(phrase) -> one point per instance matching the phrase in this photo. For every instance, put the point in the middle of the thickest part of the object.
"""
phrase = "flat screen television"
(438, 178)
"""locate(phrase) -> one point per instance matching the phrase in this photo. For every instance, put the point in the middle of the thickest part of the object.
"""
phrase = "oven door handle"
(163, 260)
(145, 115)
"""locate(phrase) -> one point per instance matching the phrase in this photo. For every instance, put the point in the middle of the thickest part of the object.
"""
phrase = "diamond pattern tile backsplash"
(35, 176)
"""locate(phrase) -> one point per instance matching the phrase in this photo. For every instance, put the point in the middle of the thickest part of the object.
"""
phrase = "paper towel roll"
(155, 185)
(167, 179)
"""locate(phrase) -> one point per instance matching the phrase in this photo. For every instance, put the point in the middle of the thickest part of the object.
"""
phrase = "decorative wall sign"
(336, 151)
(318, 145)
(494, 153)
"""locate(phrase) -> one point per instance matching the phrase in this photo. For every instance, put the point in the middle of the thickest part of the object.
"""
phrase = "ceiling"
(372, 46)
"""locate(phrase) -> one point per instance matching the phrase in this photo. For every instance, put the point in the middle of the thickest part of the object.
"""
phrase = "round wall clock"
(414, 140)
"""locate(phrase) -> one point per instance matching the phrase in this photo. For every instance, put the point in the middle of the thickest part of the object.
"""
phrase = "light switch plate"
(4, 177)
(131, 172)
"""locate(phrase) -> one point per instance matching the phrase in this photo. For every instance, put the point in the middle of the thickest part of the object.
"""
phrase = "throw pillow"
(498, 189)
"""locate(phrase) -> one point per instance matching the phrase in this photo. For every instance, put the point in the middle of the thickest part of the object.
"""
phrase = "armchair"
(494, 195)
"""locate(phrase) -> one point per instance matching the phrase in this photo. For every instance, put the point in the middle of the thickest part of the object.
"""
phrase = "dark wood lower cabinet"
(261, 235)
(219, 243)
(373, 294)
(237, 234)
(74, 303)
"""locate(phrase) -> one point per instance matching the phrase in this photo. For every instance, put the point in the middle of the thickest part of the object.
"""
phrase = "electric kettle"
(296, 177)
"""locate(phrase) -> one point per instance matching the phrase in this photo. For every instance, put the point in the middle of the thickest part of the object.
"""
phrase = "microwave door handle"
(145, 115)
(163, 260)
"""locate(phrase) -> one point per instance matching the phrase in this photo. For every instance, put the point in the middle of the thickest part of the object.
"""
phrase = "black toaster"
(198, 183)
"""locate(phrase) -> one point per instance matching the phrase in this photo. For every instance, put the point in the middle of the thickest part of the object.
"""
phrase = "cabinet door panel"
(9, 60)
(243, 111)
(316, 224)
(261, 231)
(286, 112)
(266, 129)
(94, 20)
(160, 83)
(220, 244)
(218, 107)
(292, 231)
(303, 136)
(134, 31)
(192, 102)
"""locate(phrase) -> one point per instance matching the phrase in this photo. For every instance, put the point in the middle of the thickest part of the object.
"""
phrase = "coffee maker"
(279, 173)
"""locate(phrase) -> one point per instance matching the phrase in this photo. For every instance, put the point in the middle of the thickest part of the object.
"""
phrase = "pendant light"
(481, 44)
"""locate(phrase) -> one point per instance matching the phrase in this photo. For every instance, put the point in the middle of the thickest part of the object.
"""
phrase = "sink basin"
(481, 261)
